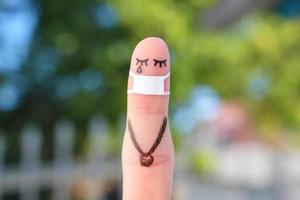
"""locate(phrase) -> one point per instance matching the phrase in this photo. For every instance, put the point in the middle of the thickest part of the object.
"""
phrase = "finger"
(147, 153)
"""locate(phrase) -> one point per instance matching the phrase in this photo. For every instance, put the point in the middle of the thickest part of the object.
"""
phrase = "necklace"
(146, 159)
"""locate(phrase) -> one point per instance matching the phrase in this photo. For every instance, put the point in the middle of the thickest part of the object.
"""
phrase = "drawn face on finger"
(150, 57)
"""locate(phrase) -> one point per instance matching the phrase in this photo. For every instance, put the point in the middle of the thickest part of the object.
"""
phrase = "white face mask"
(149, 85)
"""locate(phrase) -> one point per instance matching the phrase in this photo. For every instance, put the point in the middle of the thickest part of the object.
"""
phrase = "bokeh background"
(235, 101)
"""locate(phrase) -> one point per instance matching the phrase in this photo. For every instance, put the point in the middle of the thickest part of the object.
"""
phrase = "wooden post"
(97, 147)
(30, 162)
(2, 153)
(98, 138)
(63, 159)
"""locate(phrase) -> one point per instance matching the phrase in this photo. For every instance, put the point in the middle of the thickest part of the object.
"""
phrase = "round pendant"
(146, 160)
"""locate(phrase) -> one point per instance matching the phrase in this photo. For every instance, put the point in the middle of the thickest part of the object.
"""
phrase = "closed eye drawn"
(138, 61)
(160, 62)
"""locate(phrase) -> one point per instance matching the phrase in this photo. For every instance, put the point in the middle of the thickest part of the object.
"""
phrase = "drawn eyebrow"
(160, 62)
(139, 61)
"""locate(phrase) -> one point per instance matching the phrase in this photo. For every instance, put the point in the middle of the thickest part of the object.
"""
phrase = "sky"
(18, 20)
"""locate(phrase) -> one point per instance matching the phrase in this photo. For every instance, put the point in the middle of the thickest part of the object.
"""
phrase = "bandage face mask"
(148, 85)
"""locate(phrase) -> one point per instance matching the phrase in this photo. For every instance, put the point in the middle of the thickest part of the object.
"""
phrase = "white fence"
(65, 176)
(94, 176)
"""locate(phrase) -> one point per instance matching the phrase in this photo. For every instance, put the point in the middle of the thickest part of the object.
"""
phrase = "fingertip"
(148, 56)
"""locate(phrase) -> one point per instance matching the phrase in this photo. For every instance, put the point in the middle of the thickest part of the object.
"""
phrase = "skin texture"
(146, 113)
(146, 158)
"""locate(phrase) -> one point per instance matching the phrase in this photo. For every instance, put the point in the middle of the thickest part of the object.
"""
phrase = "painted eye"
(160, 62)
(141, 62)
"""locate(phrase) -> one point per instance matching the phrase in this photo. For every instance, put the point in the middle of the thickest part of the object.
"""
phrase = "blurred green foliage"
(202, 162)
(261, 46)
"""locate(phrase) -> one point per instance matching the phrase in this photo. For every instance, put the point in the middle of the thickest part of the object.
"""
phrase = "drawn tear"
(139, 70)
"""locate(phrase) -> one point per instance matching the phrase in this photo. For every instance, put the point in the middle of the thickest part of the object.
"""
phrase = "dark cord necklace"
(146, 159)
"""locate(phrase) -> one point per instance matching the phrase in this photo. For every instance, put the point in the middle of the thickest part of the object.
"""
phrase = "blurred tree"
(254, 60)
(78, 61)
